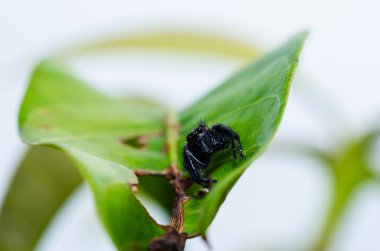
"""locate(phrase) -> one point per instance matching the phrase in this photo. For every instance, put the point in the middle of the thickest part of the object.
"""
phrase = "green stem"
(338, 205)
(349, 170)
(177, 220)
(174, 238)
(172, 131)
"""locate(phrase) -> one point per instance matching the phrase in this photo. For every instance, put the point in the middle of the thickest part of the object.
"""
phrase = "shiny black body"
(202, 142)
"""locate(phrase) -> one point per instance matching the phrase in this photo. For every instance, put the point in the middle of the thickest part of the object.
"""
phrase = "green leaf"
(44, 180)
(109, 139)
(101, 135)
(156, 188)
(62, 111)
(252, 103)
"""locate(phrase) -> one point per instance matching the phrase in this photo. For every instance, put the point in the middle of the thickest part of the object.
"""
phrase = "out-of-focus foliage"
(349, 167)
(44, 180)
(170, 41)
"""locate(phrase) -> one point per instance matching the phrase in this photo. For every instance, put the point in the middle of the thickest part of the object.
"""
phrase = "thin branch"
(175, 175)
(172, 132)
(174, 238)
(151, 173)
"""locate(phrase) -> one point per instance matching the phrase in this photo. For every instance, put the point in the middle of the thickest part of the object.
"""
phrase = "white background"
(278, 203)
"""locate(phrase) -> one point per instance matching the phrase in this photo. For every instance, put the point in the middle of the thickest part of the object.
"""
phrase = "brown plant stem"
(180, 199)
(174, 239)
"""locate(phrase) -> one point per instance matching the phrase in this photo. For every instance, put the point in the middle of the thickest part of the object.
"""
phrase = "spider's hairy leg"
(234, 137)
(237, 139)
(193, 166)
(199, 164)
(233, 148)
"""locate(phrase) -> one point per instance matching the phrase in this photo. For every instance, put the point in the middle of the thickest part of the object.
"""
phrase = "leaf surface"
(43, 132)
(252, 103)
(106, 138)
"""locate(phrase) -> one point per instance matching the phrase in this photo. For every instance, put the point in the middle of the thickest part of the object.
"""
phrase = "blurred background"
(281, 202)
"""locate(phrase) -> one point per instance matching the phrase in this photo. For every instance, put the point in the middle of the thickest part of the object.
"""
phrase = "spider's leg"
(233, 148)
(237, 138)
(196, 161)
(192, 165)
(227, 131)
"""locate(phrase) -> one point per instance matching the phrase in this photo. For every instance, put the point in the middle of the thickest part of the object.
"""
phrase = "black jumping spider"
(202, 142)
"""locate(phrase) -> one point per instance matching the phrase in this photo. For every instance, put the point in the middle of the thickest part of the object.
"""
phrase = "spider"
(202, 142)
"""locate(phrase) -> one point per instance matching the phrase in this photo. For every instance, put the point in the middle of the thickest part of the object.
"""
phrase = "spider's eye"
(199, 130)
(191, 135)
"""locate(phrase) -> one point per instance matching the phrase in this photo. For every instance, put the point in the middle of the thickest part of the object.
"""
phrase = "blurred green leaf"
(349, 168)
(172, 41)
(44, 180)
(252, 103)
